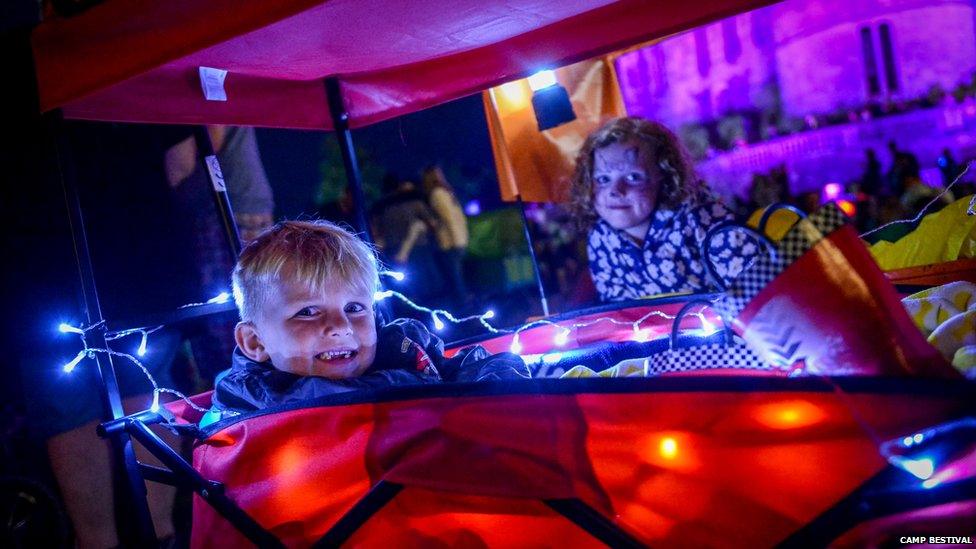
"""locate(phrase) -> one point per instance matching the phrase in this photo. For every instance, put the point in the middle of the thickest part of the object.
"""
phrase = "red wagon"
(720, 456)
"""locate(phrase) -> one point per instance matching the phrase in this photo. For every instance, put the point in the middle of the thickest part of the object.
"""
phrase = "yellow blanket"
(634, 367)
(947, 316)
(946, 235)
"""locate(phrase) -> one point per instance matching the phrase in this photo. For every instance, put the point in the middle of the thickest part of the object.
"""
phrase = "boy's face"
(331, 334)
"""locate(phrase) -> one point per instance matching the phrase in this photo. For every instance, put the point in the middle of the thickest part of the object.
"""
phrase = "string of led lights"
(560, 338)
(893, 451)
(141, 351)
(222, 297)
(90, 352)
(438, 316)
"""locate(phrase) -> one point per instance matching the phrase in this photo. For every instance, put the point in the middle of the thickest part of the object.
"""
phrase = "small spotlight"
(541, 80)
(561, 337)
(550, 101)
(489, 314)
(381, 295)
(438, 325)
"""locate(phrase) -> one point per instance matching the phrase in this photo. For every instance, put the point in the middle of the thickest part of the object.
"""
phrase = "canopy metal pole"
(535, 261)
(136, 508)
(218, 186)
(340, 119)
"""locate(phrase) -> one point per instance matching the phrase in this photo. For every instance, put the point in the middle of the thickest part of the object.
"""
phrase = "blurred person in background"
(871, 181)
(903, 166)
(251, 200)
(948, 168)
(451, 232)
(403, 225)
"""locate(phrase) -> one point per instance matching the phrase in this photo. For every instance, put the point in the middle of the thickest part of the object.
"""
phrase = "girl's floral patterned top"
(670, 259)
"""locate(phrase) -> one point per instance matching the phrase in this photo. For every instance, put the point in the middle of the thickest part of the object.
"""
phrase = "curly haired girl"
(637, 194)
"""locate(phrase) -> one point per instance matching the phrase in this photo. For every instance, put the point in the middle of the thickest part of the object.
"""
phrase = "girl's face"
(625, 187)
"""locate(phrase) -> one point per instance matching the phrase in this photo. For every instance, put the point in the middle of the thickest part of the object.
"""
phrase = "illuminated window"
(702, 55)
(888, 56)
(730, 41)
(870, 63)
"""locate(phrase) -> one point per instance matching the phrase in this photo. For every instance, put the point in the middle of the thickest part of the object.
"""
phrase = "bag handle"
(773, 208)
(725, 227)
(676, 323)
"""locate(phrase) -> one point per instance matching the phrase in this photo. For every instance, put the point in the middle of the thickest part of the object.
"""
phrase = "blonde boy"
(305, 293)
(304, 290)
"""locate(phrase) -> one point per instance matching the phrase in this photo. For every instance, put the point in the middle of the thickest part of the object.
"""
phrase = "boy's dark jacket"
(406, 353)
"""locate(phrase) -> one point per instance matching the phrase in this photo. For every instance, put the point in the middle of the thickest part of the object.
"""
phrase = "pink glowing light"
(832, 191)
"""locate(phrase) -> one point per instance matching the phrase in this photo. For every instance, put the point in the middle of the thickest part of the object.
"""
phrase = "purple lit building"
(811, 85)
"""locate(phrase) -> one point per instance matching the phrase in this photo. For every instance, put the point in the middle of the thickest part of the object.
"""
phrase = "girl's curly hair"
(660, 145)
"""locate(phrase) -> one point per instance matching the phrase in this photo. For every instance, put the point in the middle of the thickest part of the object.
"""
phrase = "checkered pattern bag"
(800, 238)
(735, 354)
(732, 352)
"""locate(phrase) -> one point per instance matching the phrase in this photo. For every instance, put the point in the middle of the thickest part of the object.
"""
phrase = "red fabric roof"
(137, 60)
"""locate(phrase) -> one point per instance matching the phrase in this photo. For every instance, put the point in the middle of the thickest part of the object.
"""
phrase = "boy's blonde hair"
(317, 253)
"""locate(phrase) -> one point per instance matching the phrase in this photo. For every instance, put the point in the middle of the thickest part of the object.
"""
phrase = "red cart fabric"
(608, 326)
(834, 309)
(671, 461)
(138, 60)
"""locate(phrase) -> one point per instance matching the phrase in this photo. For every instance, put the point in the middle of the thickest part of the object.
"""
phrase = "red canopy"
(138, 60)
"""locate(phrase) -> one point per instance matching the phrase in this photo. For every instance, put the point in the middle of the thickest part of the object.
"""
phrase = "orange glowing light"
(791, 414)
(221, 439)
(668, 448)
(515, 94)
(673, 450)
(289, 460)
(847, 207)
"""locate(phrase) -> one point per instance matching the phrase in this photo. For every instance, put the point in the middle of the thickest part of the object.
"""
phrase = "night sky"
(454, 135)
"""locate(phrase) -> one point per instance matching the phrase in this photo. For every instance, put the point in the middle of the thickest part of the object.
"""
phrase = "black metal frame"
(340, 121)
(378, 496)
(136, 528)
(595, 524)
(140, 527)
(532, 256)
(218, 188)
